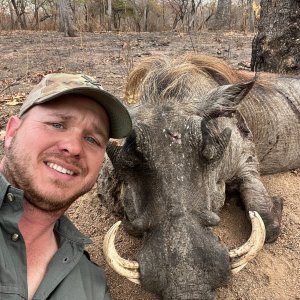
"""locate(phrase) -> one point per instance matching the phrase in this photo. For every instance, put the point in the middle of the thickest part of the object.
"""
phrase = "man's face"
(55, 153)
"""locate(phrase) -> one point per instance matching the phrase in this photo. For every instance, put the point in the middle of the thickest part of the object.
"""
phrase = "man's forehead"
(49, 114)
(94, 122)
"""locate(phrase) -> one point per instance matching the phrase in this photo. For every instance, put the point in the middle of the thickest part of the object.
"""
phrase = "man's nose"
(72, 144)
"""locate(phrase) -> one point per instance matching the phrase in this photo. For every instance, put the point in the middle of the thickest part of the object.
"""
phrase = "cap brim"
(119, 118)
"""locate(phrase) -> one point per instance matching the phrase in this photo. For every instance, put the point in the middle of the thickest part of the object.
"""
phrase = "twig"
(10, 85)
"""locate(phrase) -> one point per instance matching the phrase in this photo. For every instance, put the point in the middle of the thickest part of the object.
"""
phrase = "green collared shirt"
(70, 274)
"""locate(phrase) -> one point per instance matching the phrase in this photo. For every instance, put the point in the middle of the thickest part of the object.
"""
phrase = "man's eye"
(56, 125)
(91, 140)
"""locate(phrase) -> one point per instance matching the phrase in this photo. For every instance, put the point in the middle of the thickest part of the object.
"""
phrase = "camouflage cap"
(58, 84)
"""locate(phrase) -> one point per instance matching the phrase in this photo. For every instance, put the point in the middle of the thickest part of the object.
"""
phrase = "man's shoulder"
(90, 266)
(66, 229)
(85, 281)
(87, 259)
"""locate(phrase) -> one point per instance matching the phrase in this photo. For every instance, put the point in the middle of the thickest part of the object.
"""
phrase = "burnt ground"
(27, 56)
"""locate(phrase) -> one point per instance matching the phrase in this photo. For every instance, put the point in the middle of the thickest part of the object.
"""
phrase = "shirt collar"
(5, 187)
(63, 226)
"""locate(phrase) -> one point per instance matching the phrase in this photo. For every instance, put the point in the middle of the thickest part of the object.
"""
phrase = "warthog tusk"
(239, 256)
(242, 255)
(124, 267)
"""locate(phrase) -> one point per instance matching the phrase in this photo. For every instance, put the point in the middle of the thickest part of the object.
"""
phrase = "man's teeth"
(59, 168)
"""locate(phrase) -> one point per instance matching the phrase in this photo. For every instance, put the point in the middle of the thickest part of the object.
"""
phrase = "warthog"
(199, 126)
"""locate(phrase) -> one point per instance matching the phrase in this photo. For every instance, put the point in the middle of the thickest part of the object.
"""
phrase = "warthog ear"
(113, 151)
(122, 156)
(109, 187)
(224, 100)
(214, 145)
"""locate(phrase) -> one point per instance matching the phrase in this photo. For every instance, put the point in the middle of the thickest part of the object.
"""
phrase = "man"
(53, 152)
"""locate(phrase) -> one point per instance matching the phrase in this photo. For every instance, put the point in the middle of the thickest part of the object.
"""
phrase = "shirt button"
(10, 197)
(15, 237)
(66, 260)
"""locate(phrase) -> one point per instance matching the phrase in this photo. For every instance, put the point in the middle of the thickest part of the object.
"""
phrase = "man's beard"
(16, 169)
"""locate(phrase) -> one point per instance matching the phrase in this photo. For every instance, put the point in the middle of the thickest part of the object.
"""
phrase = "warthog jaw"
(239, 256)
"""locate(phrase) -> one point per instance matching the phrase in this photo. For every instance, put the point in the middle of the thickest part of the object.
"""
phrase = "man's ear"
(11, 129)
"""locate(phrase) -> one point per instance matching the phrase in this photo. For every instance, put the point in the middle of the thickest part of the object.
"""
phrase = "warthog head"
(171, 174)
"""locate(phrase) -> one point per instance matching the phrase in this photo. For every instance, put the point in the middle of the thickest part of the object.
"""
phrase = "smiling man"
(53, 152)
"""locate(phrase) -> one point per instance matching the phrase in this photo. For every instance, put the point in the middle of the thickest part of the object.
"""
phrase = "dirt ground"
(27, 56)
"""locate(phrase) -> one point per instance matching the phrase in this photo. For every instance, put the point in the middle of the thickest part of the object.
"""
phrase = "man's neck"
(36, 224)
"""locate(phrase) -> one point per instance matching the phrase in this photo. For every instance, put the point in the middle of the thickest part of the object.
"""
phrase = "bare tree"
(245, 17)
(223, 15)
(194, 8)
(66, 18)
(275, 48)
(145, 16)
(180, 8)
(38, 17)
(109, 14)
(19, 8)
(185, 12)
(250, 15)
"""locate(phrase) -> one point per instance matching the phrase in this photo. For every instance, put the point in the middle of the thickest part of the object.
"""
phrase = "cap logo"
(91, 81)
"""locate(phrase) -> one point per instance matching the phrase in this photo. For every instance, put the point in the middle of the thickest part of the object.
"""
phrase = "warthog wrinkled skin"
(194, 132)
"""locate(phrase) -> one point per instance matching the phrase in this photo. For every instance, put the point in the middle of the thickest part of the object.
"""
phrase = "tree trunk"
(11, 11)
(275, 48)
(109, 14)
(66, 18)
(223, 15)
(36, 13)
(250, 14)
(145, 17)
(20, 12)
(193, 12)
(180, 9)
(175, 22)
